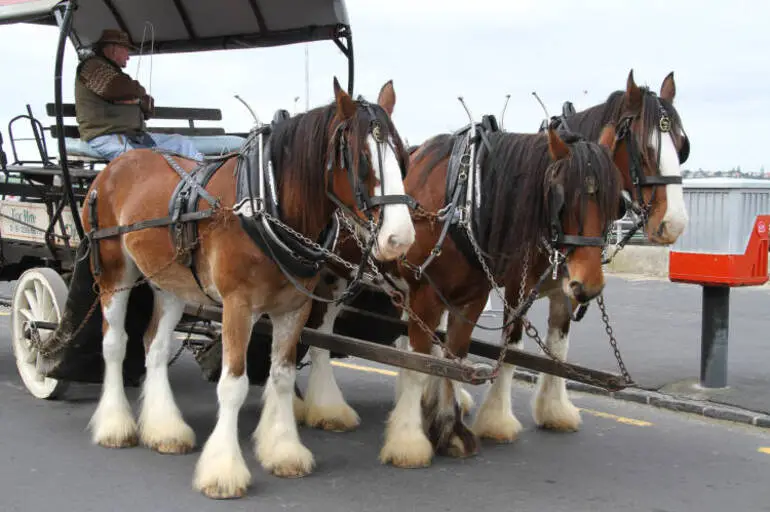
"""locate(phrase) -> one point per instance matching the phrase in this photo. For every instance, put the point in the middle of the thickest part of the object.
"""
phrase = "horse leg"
(463, 397)
(446, 429)
(161, 426)
(402, 343)
(276, 438)
(221, 471)
(112, 424)
(406, 444)
(495, 419)
(551, 406)
(325, 407)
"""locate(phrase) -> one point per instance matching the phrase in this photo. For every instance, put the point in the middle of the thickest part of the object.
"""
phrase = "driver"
(111, 107)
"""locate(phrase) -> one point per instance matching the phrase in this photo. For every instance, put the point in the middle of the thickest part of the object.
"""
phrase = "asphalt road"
(627, 457)
(658, 327)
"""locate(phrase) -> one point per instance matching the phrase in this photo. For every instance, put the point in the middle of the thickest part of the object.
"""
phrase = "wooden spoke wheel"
(40, 295)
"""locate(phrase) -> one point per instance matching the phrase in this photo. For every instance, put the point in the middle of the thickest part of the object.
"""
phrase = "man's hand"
(147, 104)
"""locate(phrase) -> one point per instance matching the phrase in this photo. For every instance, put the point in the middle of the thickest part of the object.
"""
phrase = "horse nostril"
(661, 228)
(393, 241)
(577, 290)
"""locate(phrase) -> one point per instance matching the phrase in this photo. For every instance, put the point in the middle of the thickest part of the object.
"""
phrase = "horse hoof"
(339, 418)
(502, 428)
(216, 492)
(118, 441)
(560, 416)
(177, 438)
(408, 452)
(462, 447)
(221, 477)
(287, 460)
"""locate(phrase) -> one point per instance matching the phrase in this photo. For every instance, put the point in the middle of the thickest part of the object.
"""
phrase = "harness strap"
(192, 183)
(114, 231)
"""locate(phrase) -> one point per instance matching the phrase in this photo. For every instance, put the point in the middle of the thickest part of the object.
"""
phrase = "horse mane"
(300, 147)
(592, 120)
(515, 211)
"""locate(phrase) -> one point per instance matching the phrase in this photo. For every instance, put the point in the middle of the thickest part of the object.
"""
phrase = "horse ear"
(345, 106)
(633, 93)
(607, 138)
(557, 148)
(387, 97)
(668, 88)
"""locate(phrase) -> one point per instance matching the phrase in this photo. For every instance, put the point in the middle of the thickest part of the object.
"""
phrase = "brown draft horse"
(648, 157)
(541, 196)
(649, 147)
(311, 181)
(651, 183)
(519, 177)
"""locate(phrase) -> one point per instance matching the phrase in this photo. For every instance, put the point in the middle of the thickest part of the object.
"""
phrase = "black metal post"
(351, 64)
(64, 31)
(715, 323)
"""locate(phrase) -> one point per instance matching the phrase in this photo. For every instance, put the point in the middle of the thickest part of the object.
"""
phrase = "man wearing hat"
(111, 107)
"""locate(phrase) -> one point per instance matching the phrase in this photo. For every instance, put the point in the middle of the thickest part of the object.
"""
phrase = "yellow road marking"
(598, 414)
(619, 419)
(765, 450)
(5, 313)
(367, 369)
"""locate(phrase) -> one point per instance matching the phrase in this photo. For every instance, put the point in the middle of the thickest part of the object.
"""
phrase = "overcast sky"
(435, 50)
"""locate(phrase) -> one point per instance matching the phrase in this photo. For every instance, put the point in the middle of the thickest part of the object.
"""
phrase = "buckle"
(462, 213)
(250, 208)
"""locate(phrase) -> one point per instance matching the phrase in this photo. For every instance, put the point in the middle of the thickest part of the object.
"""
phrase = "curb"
(663, 401)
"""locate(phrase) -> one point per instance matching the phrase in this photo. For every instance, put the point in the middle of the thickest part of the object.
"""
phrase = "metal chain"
(643, 217)
(512, 314)
(613, 341)
(397, 296)
(530, 329)
(53, 350)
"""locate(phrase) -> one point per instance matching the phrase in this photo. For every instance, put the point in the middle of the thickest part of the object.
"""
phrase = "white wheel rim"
(33, 300)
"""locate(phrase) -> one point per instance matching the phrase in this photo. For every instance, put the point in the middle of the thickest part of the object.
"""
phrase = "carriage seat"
(209, 145)
(211, 141)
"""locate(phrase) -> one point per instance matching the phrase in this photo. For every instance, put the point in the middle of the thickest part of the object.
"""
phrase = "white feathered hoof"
(334, 418)
(286, 459)
(560, 414)
(407, 449)
(114, 428)
(173, 436)
(498, 426)
(221, 476)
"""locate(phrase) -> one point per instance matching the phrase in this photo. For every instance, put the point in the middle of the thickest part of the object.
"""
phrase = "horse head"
(582, 190)
(650, 146)
(366, 165)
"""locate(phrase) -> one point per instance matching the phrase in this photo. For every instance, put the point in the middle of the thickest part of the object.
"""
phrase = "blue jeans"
(112, 145)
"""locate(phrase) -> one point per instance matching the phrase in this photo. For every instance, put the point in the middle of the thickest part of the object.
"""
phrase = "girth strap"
(151, 223)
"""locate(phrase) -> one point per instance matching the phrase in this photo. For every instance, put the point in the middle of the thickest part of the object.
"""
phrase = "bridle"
(561, 245)
(342, 155)
(639, 180)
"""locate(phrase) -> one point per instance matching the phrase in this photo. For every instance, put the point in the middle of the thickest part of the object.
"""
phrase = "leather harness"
(256, 199)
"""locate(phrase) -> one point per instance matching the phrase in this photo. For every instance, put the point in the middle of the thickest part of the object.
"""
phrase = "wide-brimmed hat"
(113, 36)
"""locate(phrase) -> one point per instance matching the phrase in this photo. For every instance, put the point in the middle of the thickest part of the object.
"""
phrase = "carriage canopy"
(192, 25)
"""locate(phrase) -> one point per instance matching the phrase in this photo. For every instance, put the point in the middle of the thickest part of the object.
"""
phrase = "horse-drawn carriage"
(229, 250)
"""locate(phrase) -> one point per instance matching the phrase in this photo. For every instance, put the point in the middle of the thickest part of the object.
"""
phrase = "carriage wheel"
(40, 295)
